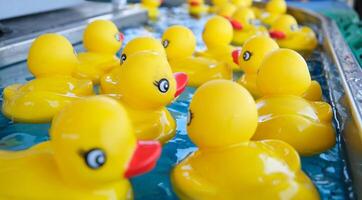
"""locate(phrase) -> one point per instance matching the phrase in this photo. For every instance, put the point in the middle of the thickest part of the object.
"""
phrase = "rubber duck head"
(217, 31)
(179, 42)
(232, 119)
(146, 80)
(283, 72)
(283, 26)
(253, 52)
(142, 44)
(226, 10)
(102, 36)
(94, 143)
(242, 18)
(219, 2)
(152, 3)
(242, 3)
(196, 2)
(51, 54)
(276, 6)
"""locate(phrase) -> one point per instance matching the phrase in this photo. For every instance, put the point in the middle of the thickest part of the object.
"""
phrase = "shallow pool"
(327, 170)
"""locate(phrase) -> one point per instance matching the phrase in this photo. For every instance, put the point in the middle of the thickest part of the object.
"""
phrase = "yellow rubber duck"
(180, 44)
(217, 36)
(253, 52)
(227, 165)
(289, 35)
(197, 8)
(242, 3)
(274, 8)
(283, 114)
(51, 60)
(227, 10)
(244, 27)
(152, 7)
(91, 154)
(109, 81)
(216, 5)
(102, 40)
(145, 85)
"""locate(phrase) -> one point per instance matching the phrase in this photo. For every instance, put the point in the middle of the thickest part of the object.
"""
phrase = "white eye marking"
(165, 43)
(95, 158)
(247, 55)
(162, 85)
(189, 117)
(294, 27)
(123, 58)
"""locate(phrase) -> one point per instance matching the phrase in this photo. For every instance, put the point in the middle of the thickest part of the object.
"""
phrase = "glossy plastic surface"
(152, 7)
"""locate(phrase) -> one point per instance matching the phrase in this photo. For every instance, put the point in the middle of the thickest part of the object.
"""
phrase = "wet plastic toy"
(180, 44)
(51, 60)
(197, 8)
(91, 154)
(283, 114)
(227, 10)
(273, 9)
(217, 4)
(242, 3)
(152, 7)
(145, 85)
(244, 27)
(227, 165)
(253, 52)
(217, 36)
(109, 81)
(99, 59)
(289, 35)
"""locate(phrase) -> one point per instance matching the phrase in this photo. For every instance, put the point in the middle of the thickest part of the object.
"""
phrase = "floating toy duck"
(253, 52)
(180, 44)
(289, 35)
(274, 9)
(217, 36)
(145, 85)
(102, 40)
(227, 165)
(242, 3)
(244, 27)
(197, 8)
(216, 5)
(283, 114)
(152, 7)
(109, 81)
(227, 10)
(51, 60)
(91, 154)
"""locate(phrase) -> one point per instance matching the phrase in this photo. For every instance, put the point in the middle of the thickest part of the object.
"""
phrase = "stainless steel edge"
(14, 51)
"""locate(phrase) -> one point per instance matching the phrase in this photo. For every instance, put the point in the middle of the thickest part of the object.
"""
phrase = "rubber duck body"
(99, 59)
(244, 27)
(152, 7)
(197, 8)
(274, 9)
(145, 85)
(217, 36)
(289, 35)
(227, 165)
(180, 43)
(253, 52)
(242, 3)
(227, 10)
(91, 154)
(283, 114)
(38, 100)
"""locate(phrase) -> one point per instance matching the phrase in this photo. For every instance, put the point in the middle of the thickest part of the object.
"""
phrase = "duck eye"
(117, 37)
(247, 55)
(165, 43)
(162, 85)
(189, 117)
(95, 158)
(294, 27)
(123, 58)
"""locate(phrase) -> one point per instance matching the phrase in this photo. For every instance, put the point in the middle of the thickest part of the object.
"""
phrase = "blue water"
(327, 170)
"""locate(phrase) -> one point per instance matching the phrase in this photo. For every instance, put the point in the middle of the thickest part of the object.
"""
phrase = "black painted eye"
(123, 58)
(165, 43)
(247, 55)
(189, 117)
(294, 27)
(162, 85)
(95, 158)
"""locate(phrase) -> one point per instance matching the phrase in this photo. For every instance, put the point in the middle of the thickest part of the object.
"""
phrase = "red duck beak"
(236, 25)
(194, 3)
(235, 54)
(181, 82)
(121, 36)
(144, 158)
(277, 35)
